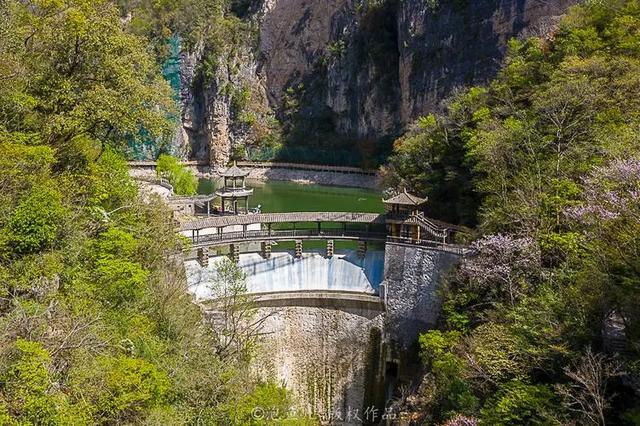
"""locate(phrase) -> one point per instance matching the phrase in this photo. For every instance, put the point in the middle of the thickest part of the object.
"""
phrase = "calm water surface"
(276, 196)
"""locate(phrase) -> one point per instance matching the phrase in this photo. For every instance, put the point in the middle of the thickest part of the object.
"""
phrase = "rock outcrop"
(348, 73)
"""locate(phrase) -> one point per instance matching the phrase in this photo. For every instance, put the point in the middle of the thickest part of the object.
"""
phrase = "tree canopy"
(96, 325)
(544, 159)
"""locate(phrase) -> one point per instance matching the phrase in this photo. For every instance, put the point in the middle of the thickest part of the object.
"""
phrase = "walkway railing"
(431, 228)
(306, 166)
(420, 220)
(451, 248)
(292, 234)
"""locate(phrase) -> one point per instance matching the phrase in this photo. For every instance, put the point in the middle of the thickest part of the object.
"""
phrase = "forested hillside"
(95, 324)
(541, 325)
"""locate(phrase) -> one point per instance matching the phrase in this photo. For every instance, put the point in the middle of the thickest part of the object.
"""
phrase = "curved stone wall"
(328, 336)
(325, 356)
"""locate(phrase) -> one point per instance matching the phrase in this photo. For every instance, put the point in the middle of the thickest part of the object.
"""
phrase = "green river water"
(277, 196)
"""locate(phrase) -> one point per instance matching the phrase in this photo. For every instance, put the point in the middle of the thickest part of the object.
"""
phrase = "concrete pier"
(362, 249)
(265, 249)
(330, 248)
(203, 257)
(234, 253)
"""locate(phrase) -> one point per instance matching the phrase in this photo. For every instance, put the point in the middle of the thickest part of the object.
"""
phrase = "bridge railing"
(429, 244)
(282, 234)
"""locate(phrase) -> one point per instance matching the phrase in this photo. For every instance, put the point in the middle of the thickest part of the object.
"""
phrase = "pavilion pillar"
(234, 253)
(265, 249)
(298, 251)
(319, 227)
(330, 248)
(414, 232)
(246, 204)
(203, 257)
(269, 229)
(344, 228)
(244, 231)
(362, 249)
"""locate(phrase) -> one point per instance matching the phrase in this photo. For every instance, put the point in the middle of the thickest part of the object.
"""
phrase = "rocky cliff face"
(350, 73)
(461, 43)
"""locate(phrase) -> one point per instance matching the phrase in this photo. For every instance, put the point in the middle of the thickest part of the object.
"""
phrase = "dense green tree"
(74, 71)
(96, 325)
(549, 154)
(180, 177)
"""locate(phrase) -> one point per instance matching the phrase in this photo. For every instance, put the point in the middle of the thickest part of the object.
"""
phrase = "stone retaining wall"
(329, 358)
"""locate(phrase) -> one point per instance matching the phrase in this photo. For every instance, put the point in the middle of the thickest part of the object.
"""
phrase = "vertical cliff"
(449, 44)
(341, 78)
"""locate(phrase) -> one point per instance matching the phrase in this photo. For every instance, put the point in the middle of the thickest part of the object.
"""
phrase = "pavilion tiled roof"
(406, 199)
(235, 171)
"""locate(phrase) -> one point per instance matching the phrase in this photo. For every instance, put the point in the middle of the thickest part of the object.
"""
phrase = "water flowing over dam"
(337, 323)
(283, 273)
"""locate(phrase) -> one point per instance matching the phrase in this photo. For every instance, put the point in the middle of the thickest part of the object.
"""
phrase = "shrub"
(35, 223)
(180, 177)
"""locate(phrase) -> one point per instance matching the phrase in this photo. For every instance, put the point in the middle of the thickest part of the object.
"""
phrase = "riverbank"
(299, 176)
(306, 177)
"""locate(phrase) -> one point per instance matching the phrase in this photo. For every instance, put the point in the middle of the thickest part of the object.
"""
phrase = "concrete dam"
(340, 326)
(338, 330)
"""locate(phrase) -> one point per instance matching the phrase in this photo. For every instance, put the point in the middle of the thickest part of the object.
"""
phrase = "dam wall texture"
(339, 334)
(412, 278)
(330, 359)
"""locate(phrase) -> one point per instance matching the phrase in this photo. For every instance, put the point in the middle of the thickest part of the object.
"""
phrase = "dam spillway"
(284, 273)
(335, 327)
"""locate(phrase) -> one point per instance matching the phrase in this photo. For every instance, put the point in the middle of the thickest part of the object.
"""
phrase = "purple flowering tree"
(503, 266)
(461, 420)
(609, 219)
(611, 196)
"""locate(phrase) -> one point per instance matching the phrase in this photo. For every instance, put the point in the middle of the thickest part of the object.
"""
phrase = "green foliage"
(77, 72)
(97, 327)
(545, 158)
(122, 387)
(118, 278)
(180, 177)
(111, 186)
(35, 223)
(267, 404)
(27, 389)
(517, 403)
(453, 394)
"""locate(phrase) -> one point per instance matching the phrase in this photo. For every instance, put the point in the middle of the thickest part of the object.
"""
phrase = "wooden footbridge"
(267, 228)
(226, 229)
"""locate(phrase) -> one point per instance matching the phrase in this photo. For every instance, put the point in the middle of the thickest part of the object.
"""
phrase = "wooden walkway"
(151, 163)
(210, 240)
(304, 166)
(267, 165)
(271, 218)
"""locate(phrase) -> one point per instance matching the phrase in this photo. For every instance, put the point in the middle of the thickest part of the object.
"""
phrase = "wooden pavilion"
(234, 194)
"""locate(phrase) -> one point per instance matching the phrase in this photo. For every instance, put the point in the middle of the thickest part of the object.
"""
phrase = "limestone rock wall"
(461, 43)
(223, 105)
(338, 71)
